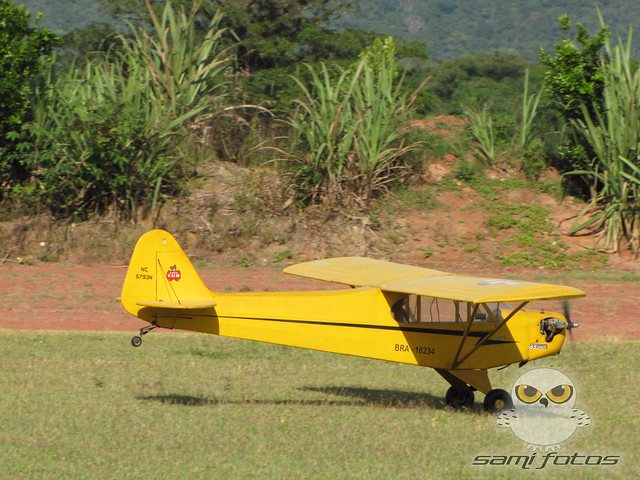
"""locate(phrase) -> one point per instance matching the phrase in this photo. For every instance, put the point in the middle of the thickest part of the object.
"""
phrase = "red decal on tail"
(173, 274)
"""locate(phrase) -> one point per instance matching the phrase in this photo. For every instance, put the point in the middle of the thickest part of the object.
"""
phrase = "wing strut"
(457, 362)
(470, 318)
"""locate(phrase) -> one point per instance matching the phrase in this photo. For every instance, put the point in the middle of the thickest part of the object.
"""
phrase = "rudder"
(161, 275)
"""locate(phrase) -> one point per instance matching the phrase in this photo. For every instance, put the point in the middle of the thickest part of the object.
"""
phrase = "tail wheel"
(459, 400)
(136, 340)
(497, 400)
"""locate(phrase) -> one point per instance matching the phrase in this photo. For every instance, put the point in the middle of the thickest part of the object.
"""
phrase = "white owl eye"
(560, 394)
(527, 393)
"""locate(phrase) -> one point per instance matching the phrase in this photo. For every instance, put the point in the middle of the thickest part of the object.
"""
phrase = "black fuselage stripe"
(433, 331)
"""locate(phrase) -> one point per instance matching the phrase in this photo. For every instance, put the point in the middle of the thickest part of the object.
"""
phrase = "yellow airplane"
(459, 325)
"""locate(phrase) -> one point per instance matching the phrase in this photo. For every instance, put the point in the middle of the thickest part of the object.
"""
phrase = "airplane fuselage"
(359, 322)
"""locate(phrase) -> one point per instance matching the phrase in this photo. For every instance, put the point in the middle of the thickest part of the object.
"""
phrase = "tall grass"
(349, 128)
(324, 125)
(98, 142)
(482, 131)
(523, 146)
(529, 112)
(529, 147)
(108, 134)
(184, 66)
(613, 212)
(383, 113)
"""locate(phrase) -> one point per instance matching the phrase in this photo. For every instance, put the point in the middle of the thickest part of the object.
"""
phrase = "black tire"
(497, 401)
(136, 341)
(459, 400)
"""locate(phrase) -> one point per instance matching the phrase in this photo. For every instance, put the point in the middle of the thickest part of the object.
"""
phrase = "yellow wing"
(394, 277)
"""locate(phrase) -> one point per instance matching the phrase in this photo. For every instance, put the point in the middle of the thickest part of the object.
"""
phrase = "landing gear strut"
(136, 340)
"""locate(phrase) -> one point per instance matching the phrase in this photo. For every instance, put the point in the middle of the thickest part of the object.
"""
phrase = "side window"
(440, 310)
(418, 309)
(494, 308)
(402, 311)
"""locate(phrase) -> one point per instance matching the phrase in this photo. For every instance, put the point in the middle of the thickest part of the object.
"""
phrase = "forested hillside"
(454, 27)
(449, 27)
(62, 16)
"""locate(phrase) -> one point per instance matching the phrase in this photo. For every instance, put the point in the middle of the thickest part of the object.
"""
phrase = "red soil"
(63, 297)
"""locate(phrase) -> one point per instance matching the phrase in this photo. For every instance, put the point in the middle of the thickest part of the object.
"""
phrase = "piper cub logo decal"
(173, 274)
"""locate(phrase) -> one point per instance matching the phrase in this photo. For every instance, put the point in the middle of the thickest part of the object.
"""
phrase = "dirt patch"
(239, 217)
(72, 297)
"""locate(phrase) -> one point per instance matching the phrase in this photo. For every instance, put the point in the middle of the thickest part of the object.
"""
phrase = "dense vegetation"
(21, 48)
(116, 122)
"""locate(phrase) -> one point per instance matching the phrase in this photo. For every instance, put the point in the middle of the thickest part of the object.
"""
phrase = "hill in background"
(449, 27)
(454, 27)
(62, 16)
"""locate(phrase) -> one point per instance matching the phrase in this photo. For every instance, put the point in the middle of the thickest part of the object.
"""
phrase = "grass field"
(87, 405)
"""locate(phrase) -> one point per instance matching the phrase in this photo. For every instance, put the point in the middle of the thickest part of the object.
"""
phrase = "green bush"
(108, 134)
(23, 47)
(467, 172)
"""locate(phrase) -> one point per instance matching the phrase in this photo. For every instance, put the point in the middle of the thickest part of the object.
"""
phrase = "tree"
(574, 77)
(22, 47)
(268, 28)
(575, 80)
(483, 78)
(272, 38)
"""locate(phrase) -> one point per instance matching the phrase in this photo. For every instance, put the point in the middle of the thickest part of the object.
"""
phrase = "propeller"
(567, 314)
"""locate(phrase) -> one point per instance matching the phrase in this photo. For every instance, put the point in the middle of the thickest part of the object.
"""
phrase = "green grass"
(600, 276)
(88, 405)
(282, 256)
(527, 227)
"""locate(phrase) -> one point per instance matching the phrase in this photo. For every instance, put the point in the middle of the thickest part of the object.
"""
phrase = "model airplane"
(459, 325)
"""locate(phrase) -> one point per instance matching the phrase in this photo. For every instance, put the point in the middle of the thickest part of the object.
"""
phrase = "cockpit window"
(418, 309)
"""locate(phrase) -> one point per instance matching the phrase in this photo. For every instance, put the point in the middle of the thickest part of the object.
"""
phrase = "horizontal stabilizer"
(180, 305)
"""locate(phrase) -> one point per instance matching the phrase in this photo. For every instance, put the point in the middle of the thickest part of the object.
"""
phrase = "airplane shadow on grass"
(351, 396)
(371, 397)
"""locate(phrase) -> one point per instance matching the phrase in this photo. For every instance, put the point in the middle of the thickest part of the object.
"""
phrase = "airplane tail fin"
(160, 275)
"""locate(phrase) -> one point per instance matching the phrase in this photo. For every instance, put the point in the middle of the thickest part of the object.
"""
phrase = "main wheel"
(459, 400)
(136, 341)
(497, 400)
